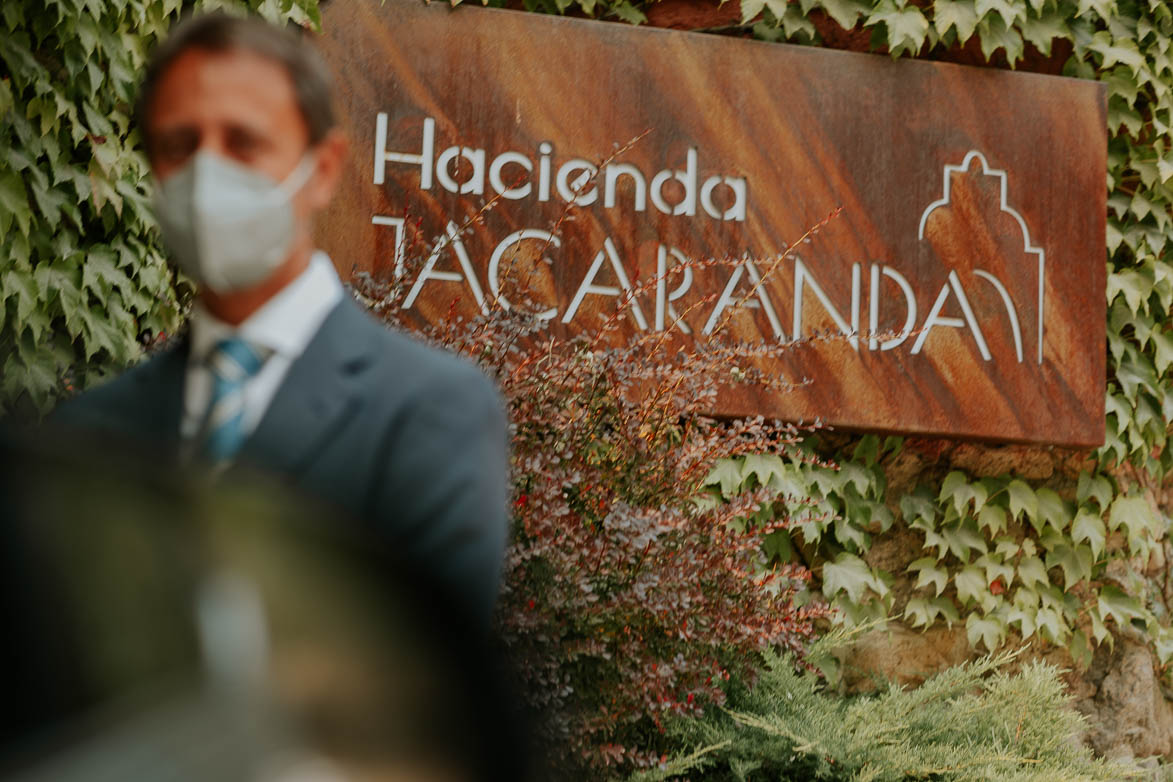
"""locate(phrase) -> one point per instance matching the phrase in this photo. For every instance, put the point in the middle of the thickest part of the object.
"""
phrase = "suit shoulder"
(123, 396)
(409, 356)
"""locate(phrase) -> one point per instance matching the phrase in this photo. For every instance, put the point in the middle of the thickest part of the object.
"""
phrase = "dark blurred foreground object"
(161, 630)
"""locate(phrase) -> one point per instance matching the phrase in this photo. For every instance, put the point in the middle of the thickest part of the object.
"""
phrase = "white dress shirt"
(285, 324)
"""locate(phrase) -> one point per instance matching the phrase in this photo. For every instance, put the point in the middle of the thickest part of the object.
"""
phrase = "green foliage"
(83, 283)
(1007, 560)
(972, 722)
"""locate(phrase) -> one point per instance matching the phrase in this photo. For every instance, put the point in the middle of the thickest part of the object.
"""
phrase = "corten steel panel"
(981, 190)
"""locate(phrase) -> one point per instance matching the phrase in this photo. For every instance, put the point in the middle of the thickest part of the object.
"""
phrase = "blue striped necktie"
(232, 362)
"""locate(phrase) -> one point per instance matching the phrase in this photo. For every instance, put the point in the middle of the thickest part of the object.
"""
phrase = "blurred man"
(280, 369)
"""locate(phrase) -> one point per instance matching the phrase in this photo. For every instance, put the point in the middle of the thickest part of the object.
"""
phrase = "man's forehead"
(233, 81)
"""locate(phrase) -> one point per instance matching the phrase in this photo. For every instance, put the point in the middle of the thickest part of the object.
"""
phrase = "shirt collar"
(285, 323)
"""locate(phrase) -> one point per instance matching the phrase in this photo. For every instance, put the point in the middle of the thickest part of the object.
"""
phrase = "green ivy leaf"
(1024, 617)
(957, 490)
(1080, 649)
(946, 609)
(1165, 167)
(851, 575)
(996, 569)
(996, 35)
(846, 12)
(1134, 373)
(752, 9)
(906, 26)
(855, 475)
(1099, 630)
(1132, 513)
(1043, 31)
(850, 535)
(1031, 571)
(14, 203)
(958, 14)
(1164, 645)
(992, 518)
(958, 539)
(929, 574)
(868, 449)
(1088, 528)
(1051, 626)
(1049, 538)
(102, 334)
(1116, 51)
(778, 546)
(1074, 560)
(726, 473)
(795, 24)
(1023, 502)
(919, 612)
(918, 509)
(1135, 287)
(1095, 487)
(1006, 548)
(763, 467)
(101, 275)
(1010, 12)
(1118, 605)
(922, 612)
(989, 629)
(1164, 345)
(829, 482)
(33, 370)
(1052, 509)
(21, 285)
(1120, 115)
(852, 614)
(628, 13)
(6, 100)
(789, 484)
(971, 584)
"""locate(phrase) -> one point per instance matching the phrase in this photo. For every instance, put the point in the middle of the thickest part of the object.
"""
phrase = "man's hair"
(219, 32)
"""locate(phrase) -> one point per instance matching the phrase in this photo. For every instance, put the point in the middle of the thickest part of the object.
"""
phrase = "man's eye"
(243, 145)
(173, 149)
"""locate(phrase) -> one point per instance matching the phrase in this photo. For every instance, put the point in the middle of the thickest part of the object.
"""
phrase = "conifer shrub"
(632, 592)
(975, 722)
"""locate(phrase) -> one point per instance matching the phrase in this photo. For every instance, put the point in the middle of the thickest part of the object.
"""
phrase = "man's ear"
(329, 164)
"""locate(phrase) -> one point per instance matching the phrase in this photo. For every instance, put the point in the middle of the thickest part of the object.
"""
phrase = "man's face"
(242, 107)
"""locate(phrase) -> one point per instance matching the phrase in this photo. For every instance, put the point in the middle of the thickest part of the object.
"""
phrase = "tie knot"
(232, 362)
(235, 360)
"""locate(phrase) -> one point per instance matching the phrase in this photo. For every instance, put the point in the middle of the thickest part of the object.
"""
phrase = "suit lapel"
(320, 392)
(159, 397)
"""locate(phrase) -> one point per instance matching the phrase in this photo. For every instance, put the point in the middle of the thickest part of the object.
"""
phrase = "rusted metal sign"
(965, 273)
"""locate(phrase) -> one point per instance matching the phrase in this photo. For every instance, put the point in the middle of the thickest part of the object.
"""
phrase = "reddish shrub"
(630, 593)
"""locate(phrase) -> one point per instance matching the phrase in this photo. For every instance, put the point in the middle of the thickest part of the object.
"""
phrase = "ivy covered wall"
(83, 283)
(1060, 547)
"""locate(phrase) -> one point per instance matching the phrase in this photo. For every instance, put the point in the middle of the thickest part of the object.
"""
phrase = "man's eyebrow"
(173, 134)
(176, 129)
(237, 126)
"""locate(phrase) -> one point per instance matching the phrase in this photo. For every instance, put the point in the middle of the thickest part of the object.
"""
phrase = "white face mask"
(228, 226)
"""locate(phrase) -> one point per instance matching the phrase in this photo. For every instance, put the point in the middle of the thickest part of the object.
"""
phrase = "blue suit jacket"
(409, 439)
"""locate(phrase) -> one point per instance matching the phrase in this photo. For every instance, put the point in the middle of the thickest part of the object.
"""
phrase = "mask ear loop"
(298, 178)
